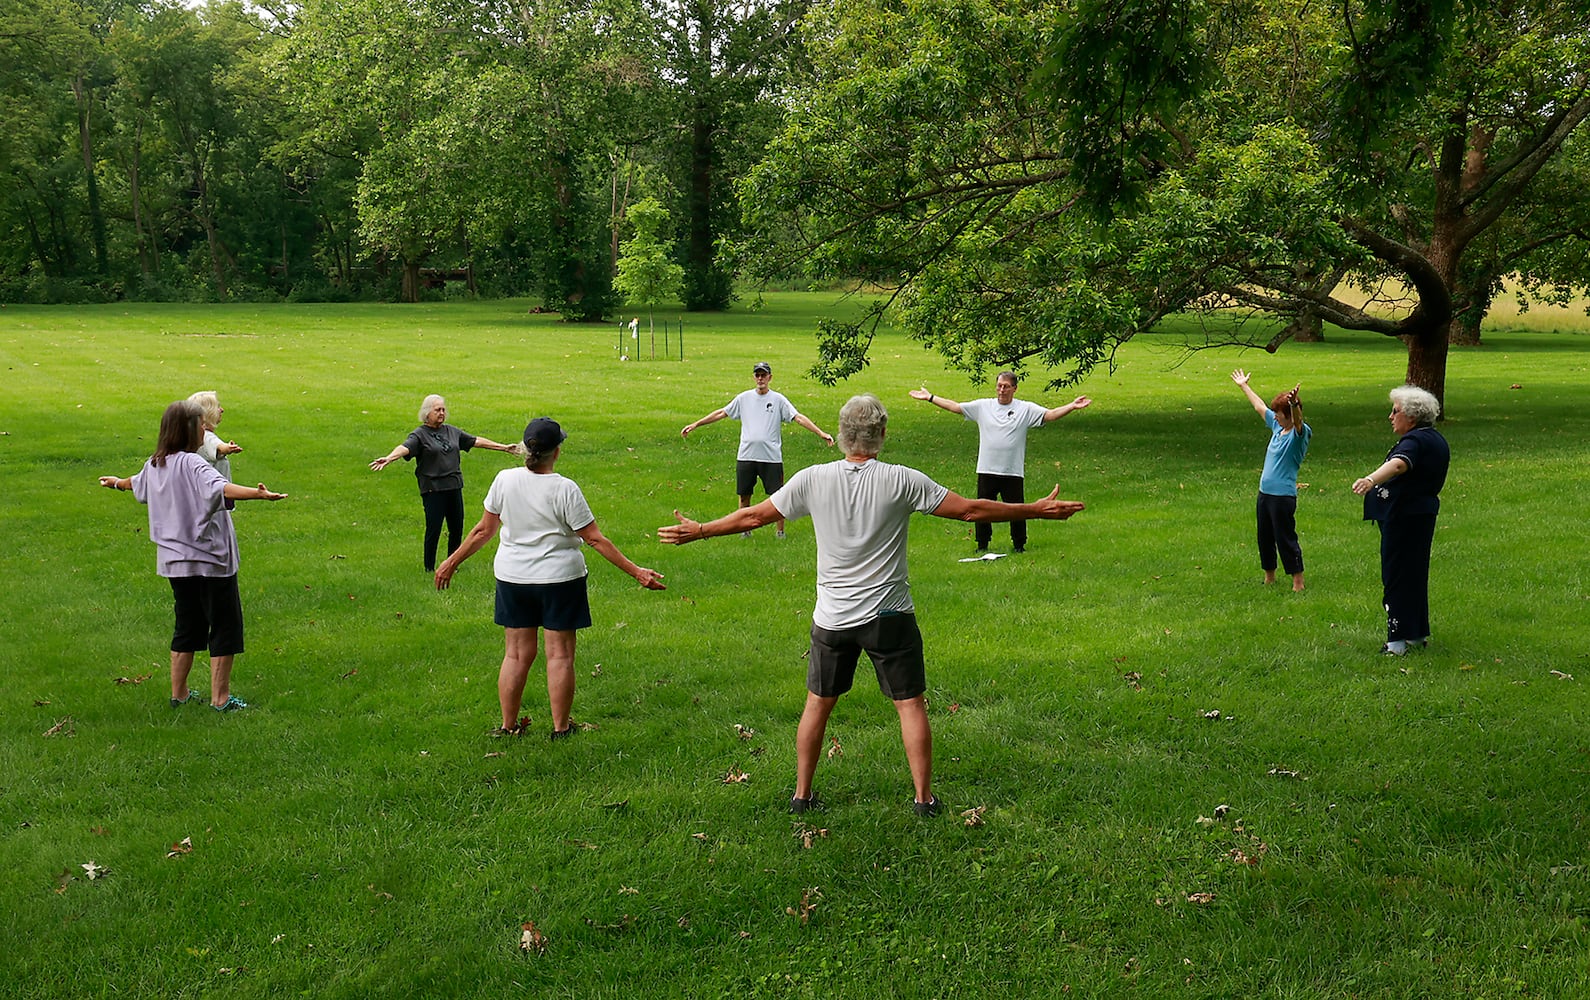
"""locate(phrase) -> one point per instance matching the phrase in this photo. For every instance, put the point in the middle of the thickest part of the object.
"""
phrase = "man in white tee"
(860, 510)
(762, 414)
(1002, 425)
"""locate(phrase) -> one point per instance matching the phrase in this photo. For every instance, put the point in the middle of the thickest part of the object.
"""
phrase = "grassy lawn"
(1347, 826)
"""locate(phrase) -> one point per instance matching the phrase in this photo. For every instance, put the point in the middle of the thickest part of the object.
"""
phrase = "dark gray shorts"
(209, 614)
(891, 641)
(747, 473)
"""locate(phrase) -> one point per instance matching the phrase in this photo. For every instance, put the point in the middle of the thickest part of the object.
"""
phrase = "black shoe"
(809, 804)
(1019, 548)
(927, 809)
(563, 734)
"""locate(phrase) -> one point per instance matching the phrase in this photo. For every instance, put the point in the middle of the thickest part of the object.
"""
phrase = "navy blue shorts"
(209, 615)
(561, 607)
(891, 641)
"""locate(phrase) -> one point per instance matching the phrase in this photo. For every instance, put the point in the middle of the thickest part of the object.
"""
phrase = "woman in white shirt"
(543, 520)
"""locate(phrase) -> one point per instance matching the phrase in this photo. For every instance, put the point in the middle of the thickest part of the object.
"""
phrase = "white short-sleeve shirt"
(860, 514)
(1002, 433)
(540, 514)
(761, 417)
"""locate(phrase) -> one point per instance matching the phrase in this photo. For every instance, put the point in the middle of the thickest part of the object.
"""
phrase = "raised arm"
(1241, 378)
(401, 451)
(711, 418)
(805, 421)
(1055, 413)
(958, 508)
(939, 401)
(648, 578)
(744, 519)
(484, 531)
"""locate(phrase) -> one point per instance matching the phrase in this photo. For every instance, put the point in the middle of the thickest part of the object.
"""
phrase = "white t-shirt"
(210, 451)
(761, 416)
(860, 513)
(1002, 434)
(540, 514)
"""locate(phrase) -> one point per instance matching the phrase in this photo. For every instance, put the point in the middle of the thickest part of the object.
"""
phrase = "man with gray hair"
(860, 510)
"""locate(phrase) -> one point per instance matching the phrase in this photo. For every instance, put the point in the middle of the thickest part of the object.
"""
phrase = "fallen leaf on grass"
(1134, 680)
(596, 671)
(1281, 772)
(133, 680)
(580, 843)
(39, 702)
(62, 728)
(625, 890)
(494, 753)
(63, 880)
(531, 940)
(181, 847)
(699, 836)
(378, 892)
(974, 815)
(1561, 676)
(809, 835)
(808, 903)
(834, 749)
(350, 673)
(743, 732)
(1201, 898)
(1221, 810)
(1515, 385)
(1242, 857)
(93, 871)
(1213, 713)
(684, 922)
(954, 707)
(744, 935)
(98, 831)
(616, 806)
(736, 777)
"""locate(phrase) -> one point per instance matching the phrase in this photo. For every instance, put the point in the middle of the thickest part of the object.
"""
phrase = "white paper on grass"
(985, 557)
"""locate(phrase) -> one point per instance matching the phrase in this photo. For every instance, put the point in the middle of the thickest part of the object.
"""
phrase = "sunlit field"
(1161, 777)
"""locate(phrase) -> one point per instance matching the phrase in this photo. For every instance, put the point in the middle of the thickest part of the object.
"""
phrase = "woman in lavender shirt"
(196, 549)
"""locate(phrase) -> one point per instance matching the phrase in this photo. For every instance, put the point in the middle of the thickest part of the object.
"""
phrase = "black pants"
(1405, 575)
(442, 505)
(1277, 517)
(1008, 489)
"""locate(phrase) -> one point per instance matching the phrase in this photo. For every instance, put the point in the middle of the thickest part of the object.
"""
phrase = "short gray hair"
(429, 405)
(862, 421)
(1417, 404)
(209, 406)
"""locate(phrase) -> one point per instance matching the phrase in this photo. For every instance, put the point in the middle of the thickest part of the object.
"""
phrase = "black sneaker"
(563, 734)
(809, 804)
(927, 809)
(1019, 548)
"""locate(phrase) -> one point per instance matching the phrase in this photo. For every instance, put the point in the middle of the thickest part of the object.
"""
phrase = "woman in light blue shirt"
(1276, 509)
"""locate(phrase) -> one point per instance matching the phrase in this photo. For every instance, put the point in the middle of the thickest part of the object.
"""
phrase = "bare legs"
(220, 677)
(520, 646)
(914, 733)
(745, 501)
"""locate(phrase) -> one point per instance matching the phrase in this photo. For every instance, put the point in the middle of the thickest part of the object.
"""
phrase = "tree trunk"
(96, 214)
(411, 280)
(1427, 356)
(1308, 330)
(1465, 328)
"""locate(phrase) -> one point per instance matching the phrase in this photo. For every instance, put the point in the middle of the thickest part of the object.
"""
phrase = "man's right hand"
(1050, 508)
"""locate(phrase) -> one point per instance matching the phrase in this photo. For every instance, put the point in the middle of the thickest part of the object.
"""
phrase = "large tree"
(1041, 181)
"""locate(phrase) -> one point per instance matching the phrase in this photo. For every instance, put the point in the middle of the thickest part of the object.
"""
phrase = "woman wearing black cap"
(543, 519)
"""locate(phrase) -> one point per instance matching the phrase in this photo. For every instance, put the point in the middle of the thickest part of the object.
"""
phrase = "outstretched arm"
(959, 508)
(744, 519)
(491, 445)
(236, 491)
(401, 451)
(805, 421)
(483, 531)
(648, 578)
(1391, 468)
(939, 401)
(711, 418)
(115, 482)
(1241, 378)
(1055, 413)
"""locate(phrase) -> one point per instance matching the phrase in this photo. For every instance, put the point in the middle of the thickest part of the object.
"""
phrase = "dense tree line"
(337, 148)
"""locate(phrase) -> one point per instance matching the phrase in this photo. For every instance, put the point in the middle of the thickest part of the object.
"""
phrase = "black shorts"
(891, 641)
(209, 614)
(747, 473)
(561, 607)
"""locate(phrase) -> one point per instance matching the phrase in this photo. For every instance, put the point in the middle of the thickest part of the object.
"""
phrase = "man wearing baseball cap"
(762, 414)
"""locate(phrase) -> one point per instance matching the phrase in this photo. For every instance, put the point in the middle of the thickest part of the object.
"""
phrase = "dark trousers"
(442, 505)
(1277, 517)
(1405, 575)
(1008, 489)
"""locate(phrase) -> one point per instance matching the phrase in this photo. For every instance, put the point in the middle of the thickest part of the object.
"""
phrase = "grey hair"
(862, 421)
(209, 405)
(1417, 404)
(429, 405)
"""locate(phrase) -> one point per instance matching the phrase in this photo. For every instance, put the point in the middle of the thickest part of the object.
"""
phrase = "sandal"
(563, 734)
(179, 702)
(233, 704)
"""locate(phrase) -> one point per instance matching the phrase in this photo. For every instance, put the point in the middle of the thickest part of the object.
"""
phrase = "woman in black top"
(436, 447)
(1403, 497)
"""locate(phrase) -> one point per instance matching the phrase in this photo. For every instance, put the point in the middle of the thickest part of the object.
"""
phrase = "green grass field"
(1393, 828)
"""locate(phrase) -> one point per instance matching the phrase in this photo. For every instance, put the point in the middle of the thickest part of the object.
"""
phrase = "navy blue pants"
(1008, 489)
(1405, 575)
(1278, 532)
